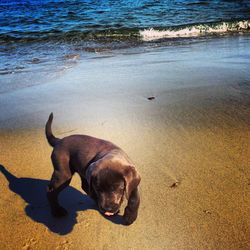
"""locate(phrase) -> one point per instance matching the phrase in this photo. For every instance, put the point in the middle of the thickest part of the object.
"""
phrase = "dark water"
(35, 35)
(90, 20)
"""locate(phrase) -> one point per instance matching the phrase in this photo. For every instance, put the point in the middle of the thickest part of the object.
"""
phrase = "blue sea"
(47, 37)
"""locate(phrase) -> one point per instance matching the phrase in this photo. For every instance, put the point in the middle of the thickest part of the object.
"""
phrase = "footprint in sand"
(29, 243)
(64, 245)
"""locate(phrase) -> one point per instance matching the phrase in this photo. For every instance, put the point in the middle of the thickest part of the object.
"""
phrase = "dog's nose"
(110, 208)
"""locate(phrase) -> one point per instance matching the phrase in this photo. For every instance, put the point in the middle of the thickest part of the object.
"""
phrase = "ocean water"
(44, 38)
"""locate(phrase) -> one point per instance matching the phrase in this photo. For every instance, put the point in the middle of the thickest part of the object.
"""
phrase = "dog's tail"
(50, 137)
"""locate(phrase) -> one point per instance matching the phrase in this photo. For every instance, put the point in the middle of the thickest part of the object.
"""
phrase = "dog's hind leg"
(60, 179)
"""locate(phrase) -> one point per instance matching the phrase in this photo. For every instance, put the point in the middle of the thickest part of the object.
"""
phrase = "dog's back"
(77, 145)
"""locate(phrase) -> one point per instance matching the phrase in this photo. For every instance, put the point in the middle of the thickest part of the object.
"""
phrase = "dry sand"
(190, 144)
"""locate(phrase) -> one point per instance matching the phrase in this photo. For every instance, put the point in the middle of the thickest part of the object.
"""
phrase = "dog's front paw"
(59, 212)
(129, 217)
(128, 220)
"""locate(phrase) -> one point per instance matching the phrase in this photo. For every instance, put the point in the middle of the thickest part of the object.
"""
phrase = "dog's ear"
(132, 179)
(92, 173)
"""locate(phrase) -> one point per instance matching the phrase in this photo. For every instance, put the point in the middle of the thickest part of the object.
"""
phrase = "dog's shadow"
(33, 192)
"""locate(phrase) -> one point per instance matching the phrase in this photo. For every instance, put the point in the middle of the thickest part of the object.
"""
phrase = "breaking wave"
(128, 34)
(195, 30)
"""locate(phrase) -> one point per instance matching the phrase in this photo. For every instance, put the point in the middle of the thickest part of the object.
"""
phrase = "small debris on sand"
(150, 98)
(175, 184)
(206, 211)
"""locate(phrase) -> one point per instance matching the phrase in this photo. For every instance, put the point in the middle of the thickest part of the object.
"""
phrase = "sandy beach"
(190, 144)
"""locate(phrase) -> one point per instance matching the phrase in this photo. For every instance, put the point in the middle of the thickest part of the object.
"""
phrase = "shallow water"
(122, 76)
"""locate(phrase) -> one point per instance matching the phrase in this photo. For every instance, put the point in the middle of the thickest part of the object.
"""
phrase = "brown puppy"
(106, 172)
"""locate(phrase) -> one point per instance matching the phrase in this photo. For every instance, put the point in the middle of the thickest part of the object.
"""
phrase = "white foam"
(194, 31)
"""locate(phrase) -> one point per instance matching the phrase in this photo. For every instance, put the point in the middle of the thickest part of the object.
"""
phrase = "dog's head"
(109, 179)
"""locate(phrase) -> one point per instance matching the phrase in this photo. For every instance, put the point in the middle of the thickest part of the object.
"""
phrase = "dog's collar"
(90, 167)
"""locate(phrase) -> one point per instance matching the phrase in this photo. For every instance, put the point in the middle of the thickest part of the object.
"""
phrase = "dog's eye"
(119, 188)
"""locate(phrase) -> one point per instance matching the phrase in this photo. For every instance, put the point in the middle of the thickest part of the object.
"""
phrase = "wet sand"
(190, 145)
